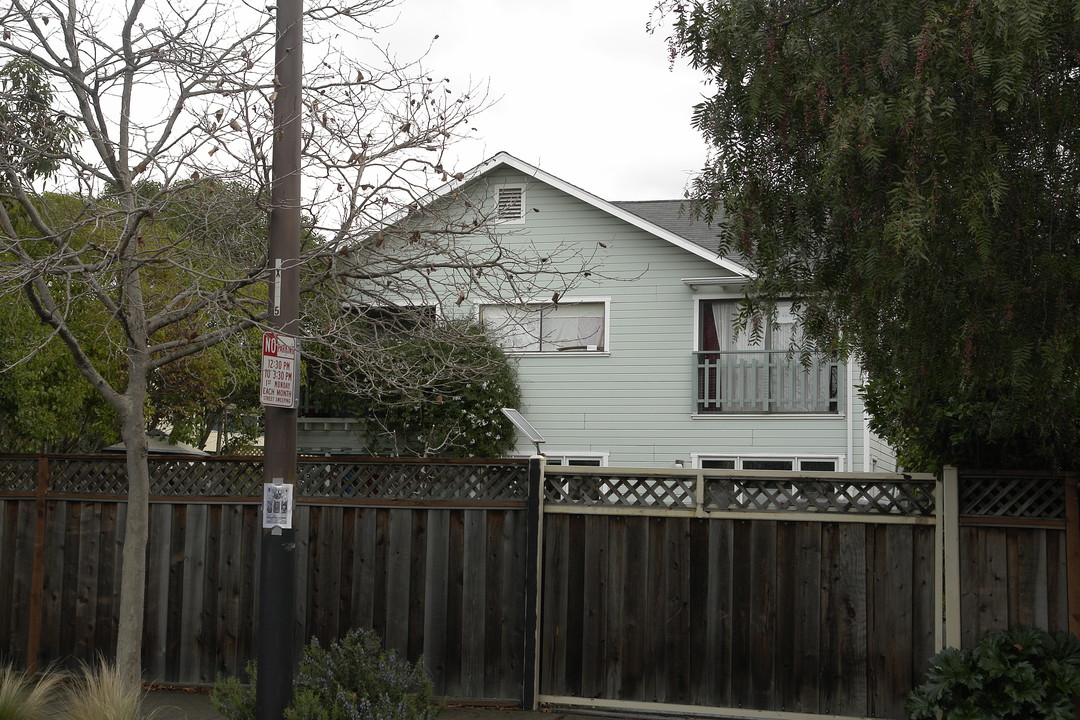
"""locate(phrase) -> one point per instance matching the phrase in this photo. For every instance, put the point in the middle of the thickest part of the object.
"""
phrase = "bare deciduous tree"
(152, 216)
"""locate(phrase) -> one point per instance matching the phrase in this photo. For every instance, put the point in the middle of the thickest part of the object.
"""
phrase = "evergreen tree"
(909, 172)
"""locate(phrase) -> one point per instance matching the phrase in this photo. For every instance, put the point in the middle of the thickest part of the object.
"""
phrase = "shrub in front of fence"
(24, 698)
(99, 692)
(102, 692)
(1016, 674)
(350, 679)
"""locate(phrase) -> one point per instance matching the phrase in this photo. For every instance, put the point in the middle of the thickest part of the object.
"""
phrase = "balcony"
(765, 382)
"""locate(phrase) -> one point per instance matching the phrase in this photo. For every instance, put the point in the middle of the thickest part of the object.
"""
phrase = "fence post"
(37, 570)
(530, 674)
(949, 555)
(1072, 550)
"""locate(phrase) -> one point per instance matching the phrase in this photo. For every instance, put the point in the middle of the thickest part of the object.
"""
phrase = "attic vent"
(511, 203)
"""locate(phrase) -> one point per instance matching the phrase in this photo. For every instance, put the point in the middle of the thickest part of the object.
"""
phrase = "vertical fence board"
(10, 617)
(52, 599)
(615, 587)
(307, 524)
(179, 575)
(455, 609)
(722, 595)
(553, 608)
(1057, 599)
(763, 562)
(595, 557)
(574, 562)
(512, 596)
(69, 584)
(494, 566)
(436, 599)
(87, 583)
(635, 618)
(398, 574)
(700, 645)
(194, 561)
(210, 664)
(808, 562)
(106, 597)
(742, 627)
(473, 601)
(418, 568)
(786, 640)
(677, 622)
(363, 577)
(655, 668)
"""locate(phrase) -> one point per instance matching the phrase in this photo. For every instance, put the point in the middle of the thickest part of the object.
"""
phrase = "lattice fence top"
(1024, 496)
(357, 478)
(18, 474)
(740, 492)
(421, 481)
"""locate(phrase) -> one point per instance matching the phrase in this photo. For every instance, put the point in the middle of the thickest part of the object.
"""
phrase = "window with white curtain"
(568, 326)
(738, 373)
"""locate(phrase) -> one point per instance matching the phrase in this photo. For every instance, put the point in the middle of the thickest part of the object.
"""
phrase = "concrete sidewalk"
(195, 705)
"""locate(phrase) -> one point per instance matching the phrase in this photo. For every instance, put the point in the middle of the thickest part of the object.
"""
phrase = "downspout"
(867, 461)
(850, 416)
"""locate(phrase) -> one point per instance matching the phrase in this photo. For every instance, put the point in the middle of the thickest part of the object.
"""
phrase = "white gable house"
(637, 364)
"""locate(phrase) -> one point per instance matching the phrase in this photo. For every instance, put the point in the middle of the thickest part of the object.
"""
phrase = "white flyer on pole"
(277, 505)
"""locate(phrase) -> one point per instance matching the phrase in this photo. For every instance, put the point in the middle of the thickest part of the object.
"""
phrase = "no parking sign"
(277, 387)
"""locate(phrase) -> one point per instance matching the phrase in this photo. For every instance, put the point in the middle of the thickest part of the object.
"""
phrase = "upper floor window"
(738, 373)
(569, 326)
(510, 204)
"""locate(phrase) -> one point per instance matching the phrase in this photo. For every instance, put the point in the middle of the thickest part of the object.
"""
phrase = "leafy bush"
(233, 699)
(1017, 674)
(351, 679)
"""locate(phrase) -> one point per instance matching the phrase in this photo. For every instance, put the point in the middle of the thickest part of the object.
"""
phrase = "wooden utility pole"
(274, 645)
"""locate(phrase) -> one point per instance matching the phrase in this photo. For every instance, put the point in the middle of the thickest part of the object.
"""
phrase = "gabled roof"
(661, 218)
(675, 215)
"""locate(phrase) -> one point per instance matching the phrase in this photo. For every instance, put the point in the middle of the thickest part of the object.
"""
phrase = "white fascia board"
(504, 158)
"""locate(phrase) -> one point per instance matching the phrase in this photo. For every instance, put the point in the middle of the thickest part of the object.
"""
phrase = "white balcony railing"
(765, 382)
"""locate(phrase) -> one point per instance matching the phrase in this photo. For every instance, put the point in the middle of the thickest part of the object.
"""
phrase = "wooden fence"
(411, 550)
(712, 592)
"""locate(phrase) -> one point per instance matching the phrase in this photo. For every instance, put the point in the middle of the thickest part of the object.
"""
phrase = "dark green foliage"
(33, 135)
(1018, 674)
(350, 679)
(234, 699)
(909, 172)
(433, 390)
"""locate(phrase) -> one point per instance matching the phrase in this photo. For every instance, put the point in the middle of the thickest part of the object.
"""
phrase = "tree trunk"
(136, 531)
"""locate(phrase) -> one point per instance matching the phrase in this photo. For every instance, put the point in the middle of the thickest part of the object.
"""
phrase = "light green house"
(635, 363)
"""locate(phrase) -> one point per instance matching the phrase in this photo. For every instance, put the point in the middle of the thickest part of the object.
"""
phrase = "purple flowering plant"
(350, 679)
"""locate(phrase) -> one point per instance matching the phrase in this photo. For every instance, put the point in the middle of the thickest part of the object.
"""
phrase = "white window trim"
(697, 457)
(562, 301)
(519, 220)
(603, 457)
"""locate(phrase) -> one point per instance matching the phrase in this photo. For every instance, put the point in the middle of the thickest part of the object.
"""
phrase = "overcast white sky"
(586, 93)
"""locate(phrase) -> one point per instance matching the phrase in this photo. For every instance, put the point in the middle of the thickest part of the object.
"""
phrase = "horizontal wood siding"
(759, 615)
(635, 400)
